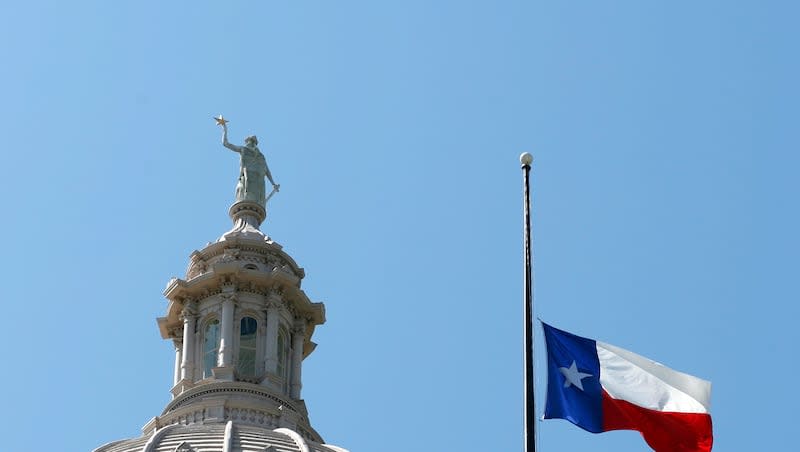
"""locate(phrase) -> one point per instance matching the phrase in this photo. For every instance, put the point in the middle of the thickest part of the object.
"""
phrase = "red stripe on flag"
(664, 431)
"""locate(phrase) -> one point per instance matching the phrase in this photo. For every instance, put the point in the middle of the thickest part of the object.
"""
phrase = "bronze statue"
(252, 168)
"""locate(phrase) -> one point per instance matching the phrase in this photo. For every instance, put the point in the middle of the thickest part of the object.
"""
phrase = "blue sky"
(665, 194)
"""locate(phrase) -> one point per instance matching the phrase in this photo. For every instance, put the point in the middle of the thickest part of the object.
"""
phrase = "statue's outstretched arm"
(225, 142)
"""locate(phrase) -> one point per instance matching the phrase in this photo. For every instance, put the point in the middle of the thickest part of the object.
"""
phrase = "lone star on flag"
(573, 376)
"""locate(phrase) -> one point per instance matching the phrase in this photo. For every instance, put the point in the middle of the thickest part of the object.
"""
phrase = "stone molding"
(269, 255)
(240, 210)
(233, 401)
(188, 396)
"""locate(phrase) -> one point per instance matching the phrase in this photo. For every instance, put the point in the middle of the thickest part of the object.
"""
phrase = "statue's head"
(251, 140)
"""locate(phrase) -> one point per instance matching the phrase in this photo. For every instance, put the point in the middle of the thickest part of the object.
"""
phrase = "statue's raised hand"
(222, 122)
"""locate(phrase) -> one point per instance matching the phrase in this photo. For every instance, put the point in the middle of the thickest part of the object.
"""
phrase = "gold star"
(221, 121)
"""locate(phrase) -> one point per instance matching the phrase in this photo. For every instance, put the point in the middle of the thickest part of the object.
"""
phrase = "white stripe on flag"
(627, 376)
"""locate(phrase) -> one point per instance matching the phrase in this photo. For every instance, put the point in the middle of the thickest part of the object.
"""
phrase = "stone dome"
(228, 436)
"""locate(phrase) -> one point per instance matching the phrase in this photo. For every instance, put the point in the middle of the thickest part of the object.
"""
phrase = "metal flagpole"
(530, 407)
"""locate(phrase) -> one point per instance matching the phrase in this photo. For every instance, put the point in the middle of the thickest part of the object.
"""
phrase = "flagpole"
(530, 407)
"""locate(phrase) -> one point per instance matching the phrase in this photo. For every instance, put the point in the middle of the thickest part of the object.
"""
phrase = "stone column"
(226, 332)
(271, 348)
(187, 360)
(298, 337)
(261, 341)
(178, 358)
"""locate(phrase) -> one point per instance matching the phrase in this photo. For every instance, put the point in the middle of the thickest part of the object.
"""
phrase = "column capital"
(274, 298)
(229, 295)
(189, 310)
(273, 303)
(300, 326)
(176, 332)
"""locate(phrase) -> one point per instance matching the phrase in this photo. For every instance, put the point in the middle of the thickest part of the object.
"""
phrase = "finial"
(526, 159)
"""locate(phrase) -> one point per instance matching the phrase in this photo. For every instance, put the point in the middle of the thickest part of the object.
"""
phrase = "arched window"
(283, 353)
(210, 347)
(247, 347)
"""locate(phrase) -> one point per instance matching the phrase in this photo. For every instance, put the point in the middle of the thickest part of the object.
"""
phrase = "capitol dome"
(241, 326)
(229, 436)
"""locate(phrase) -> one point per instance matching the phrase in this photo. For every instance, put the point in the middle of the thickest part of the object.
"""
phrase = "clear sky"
(665, 203)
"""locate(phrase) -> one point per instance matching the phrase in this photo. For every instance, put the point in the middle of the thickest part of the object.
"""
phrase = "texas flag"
(600, 387)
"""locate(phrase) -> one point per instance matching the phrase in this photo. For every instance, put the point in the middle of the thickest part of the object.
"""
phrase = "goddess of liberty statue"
(252, 168)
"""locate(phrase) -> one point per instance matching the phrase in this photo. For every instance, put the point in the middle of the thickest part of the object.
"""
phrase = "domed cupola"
(241, 326)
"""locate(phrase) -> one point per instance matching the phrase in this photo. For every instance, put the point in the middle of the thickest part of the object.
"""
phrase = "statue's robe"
(252, 171)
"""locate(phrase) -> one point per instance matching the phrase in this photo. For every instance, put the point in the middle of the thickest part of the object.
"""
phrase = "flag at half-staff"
(601, 387)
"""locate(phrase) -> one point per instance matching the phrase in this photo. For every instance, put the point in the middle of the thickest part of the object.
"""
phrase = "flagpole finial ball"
(526, 159)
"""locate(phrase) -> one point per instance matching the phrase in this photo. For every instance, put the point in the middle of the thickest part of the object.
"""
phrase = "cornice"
(222, 277)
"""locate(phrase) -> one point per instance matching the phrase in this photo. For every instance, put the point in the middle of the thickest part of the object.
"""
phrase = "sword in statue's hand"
(275, 188)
